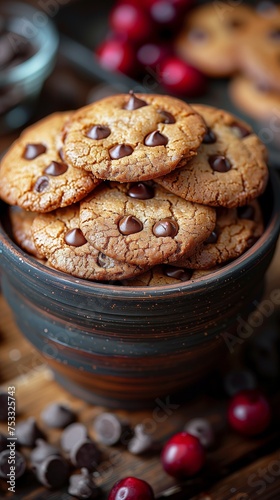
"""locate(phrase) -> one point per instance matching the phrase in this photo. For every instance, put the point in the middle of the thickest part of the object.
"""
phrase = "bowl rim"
(46, 38)
(226, 272)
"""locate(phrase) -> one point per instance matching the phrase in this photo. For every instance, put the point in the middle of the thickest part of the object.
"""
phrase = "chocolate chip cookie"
(34, 173)
(236, 230)
(59, 238)
(131, 137)
(230, 168)
(166, 274)
(21, 225)
(143, 224)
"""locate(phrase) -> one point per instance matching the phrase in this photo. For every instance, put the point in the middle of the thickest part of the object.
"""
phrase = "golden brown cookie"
(58, 237)
(21, 224)
(165, 274)
(237, 229)
(34, 174)
(131, 138)
(142, 224)
(230, 167)
(209, 38)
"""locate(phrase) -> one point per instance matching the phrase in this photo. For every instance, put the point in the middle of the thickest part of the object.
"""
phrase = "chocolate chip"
(130, 225)
(202, 429)
(71, 435)
(53, 472)
(141, 191)
(213, 238)
(42, 451)
(4, 398)
(219, 163)
(28, 432)
(98, 132)
(75, 238)
(41, 184)
(141, 441)
(134, 102)
(167, 117)
(240, 130)
(5, 464)
(85, 454)
(178, 273)
(33, 150)
(165, 227)
(55, 168)
(83, 486)
(110, 429)
(246, 212)
(120, 151)
(57, 415)
(209, 137)
(155, 139)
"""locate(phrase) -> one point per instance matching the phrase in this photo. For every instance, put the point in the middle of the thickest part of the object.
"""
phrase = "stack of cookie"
(225, 39)
(143, 190)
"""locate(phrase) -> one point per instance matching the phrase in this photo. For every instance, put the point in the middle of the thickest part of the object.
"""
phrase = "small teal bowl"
(25, 80)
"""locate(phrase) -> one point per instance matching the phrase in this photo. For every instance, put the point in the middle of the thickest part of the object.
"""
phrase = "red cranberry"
(131, 488)
(152, 54)
(131, 20)
(178, 77)
(183, 455)
(116, 55)
(163, 12)
(249, 412)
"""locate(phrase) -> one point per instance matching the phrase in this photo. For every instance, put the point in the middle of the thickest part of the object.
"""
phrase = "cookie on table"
(256, 101)
(166, 274)
(260, 50)
(143, 224)
(34, 174)
(21, 226)
(237, 229)
(209, 38)
(58, 237)
(130, 137)
(230, 168)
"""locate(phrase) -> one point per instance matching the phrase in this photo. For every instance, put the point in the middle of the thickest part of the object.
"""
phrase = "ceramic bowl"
(125, 347)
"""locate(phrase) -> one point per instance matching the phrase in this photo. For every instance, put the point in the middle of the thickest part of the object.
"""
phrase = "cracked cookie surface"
(143, 224)
(33, 173)
(58, 237)
(130, 137)
(230, 168)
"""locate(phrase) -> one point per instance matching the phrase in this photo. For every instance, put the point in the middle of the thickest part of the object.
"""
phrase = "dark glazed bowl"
(123, 346)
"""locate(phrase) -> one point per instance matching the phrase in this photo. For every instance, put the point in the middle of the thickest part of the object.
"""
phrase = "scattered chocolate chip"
(141, 191)
(83, 486)
(75, 238)
(5, 465)
(165, 227)
(42, 451)
(72, 434)
(55, 168)
(209, 137)
(33, 150)
(120, 151)
(130, 225)
(219, 163)
(240, 130)
(142, 442)
(41, 184)
(85, 454)
(167, 117)
(110, 429)
(28, 432)
(53, 472)
(178, 273)
(246, 212)
(57, 415)
(239, 380)
(134, 102)
(98, 132)
(202, 429)
(4, 397)
(3, 442)
(155, 139)
(213, 238)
